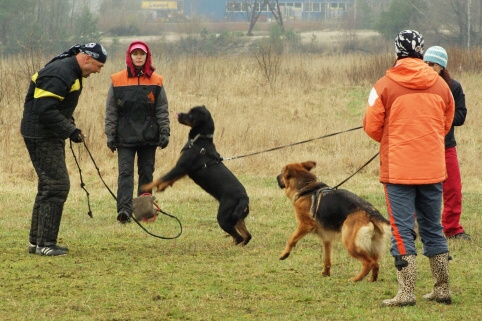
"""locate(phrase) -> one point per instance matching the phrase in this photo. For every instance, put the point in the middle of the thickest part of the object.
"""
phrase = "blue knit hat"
(437, 55)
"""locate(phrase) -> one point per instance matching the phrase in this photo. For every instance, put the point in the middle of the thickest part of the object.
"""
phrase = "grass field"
(120, 273)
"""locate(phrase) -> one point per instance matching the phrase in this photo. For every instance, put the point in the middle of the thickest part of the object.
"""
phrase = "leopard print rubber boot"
(406, 284)
(439, 264)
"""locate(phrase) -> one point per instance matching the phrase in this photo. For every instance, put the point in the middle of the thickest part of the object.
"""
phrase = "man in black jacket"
(47, 122)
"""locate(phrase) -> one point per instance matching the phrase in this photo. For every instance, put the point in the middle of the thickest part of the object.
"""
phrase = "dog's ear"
(309, 165)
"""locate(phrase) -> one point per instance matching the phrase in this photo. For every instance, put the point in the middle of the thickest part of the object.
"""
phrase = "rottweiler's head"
(295, 176)
(199, 119)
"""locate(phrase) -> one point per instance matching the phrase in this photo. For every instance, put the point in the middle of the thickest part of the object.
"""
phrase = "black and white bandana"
(409, 43)
(93, 49)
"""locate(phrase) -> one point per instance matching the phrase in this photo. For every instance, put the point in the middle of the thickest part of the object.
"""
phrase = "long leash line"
(113, 195)
(293, 144)
(306, 141)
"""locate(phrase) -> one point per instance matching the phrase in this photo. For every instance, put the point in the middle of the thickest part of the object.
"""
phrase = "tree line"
(51, 26)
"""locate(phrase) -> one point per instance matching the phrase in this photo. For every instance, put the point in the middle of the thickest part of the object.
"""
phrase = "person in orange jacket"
(409, 112)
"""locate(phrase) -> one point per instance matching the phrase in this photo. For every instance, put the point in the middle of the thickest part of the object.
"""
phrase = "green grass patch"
(116, 272)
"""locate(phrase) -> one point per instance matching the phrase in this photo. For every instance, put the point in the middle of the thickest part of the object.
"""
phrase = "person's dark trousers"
(48, 159)
(146, 156)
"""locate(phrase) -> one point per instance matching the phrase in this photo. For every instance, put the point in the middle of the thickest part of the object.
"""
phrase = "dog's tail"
(382, 227)
(373, 237)
(381, 236)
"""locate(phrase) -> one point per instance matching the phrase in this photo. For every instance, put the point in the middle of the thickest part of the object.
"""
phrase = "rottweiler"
(331, 213)
(202, 163)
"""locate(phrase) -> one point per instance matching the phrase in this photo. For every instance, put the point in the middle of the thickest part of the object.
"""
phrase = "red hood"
(147, 69)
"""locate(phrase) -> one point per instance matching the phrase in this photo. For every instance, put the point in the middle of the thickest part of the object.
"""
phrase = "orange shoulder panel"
(121, 79)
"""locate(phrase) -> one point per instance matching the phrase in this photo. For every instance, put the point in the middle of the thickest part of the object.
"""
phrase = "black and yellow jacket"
(51, 99)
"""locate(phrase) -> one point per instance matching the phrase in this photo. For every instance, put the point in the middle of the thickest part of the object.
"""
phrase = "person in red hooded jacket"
(136, 122)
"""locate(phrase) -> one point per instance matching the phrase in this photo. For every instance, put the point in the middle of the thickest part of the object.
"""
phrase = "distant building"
(290, 9)
(239, 10)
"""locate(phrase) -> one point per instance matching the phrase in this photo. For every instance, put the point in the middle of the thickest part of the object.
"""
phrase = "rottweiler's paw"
(238, 240)
(147, 188)
(162, 187)
(246, 241)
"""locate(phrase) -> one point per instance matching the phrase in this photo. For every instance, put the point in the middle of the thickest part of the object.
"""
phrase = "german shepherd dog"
(331, 213)
(202, 163)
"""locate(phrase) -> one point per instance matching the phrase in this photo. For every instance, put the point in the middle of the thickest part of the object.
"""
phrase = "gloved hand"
(164, 141)
(77, 136)
(111, 144)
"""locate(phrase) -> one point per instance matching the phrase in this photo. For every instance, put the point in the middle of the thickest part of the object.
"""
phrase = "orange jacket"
(409, 112)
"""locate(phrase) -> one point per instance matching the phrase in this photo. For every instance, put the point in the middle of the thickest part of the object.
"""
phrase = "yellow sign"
(159, 5)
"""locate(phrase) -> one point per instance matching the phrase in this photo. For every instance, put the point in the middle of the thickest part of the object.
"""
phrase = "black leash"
(113, 195)
(369, 161)
(82, 181)
(309, 140)
(293, 144)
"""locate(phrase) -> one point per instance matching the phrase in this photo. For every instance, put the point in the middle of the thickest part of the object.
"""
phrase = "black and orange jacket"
(137, 108)
(51, 99)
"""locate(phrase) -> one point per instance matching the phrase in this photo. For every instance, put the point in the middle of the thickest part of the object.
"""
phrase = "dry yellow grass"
(313, 95)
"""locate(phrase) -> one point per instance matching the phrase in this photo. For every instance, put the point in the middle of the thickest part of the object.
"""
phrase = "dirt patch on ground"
(336, 36)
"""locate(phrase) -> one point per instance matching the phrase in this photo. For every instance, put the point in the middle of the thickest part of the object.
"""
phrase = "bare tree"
(269, 56)
(452, 21)
(256, 8)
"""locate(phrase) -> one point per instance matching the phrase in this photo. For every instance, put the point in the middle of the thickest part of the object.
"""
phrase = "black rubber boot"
(50, 215)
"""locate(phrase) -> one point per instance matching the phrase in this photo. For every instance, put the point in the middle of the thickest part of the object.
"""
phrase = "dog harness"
(212, 158)
(317, 191)
(316, 198)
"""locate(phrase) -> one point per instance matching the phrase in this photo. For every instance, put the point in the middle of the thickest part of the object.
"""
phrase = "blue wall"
(211, 9)
(215, 9)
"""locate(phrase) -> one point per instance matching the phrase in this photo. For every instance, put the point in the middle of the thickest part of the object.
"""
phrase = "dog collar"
(191, 142)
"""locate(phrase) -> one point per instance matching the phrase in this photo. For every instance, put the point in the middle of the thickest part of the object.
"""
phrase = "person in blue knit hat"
(437, 58)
